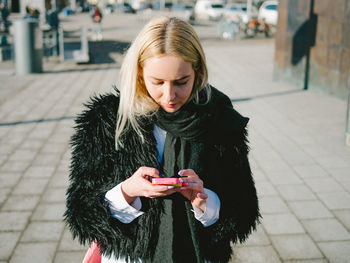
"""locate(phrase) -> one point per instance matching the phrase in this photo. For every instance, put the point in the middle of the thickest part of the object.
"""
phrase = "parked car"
(183, 11)
(268, 12)
(109, 8)
(126, 8)
(238, 12)
(206, 9)
(159, 5)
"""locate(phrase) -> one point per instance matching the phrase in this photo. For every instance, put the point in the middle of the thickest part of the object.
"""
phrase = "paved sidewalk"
(300, 164)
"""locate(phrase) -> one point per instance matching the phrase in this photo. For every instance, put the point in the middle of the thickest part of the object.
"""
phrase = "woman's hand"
(193, 189)
(138, 185)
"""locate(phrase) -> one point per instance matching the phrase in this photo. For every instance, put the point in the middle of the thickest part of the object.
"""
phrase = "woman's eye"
(157, 83)
(180, 83)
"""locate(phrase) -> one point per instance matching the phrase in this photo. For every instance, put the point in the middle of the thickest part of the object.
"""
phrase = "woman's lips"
(169, 105)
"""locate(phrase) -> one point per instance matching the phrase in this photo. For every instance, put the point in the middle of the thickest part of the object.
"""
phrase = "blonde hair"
(161, 36)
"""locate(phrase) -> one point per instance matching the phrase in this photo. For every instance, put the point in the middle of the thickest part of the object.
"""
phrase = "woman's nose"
(169, 92)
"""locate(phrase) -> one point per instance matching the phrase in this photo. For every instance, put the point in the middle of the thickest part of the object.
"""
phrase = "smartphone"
(166, 181)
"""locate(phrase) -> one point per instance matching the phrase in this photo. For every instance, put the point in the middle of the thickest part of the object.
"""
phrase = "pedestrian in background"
(96, 15)
(164, 121)
(4, 14)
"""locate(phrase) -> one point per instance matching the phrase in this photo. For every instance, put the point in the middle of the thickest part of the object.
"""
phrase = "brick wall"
(329, 57)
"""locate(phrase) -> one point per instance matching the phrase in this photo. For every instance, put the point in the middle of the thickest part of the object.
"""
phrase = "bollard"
(28, 46)
(347, 121)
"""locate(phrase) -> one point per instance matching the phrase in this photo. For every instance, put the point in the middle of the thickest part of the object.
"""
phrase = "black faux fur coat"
(97, 167)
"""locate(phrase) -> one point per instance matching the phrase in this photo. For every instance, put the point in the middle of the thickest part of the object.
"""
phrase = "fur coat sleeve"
(96, 167)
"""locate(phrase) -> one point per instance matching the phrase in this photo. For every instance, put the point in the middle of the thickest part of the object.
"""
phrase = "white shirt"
(126, 213)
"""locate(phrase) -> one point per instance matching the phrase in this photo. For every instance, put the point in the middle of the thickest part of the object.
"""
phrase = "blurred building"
(320, 28)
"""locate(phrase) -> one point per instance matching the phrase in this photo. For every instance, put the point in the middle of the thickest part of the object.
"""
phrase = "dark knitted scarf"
(189, 125)
(187, 131)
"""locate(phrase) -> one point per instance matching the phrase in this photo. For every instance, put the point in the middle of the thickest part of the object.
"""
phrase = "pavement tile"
(30, 186)
(54, 195)
(315, 150)
(14, 140)
(279, 224)
(20, 203)
(344, 217)
(310, 171)
(293, 247)
(254, 255)
(273, 167)
(47, 159)
(5, 192)
(54, 148)
(327, 229)
(15, 166)
(336, 252)
(346, 185)
(22, 155)
(3, 158)
(4, 130)
(336, 200)
(49, 212)
(306, 261)
(41, 132)
(321, 185)
(68, 244)
(272, 205)
(340, 174)
(309, 209)
(265, 153)
(6, 148)
(34, 252)
(332, 161)
(283, 177)
(69, 257)
(8, 241)
(265, 188)
(43, 231)
(60, 138)
(34, 144)
(59, 180)
(258, 175)
(295, 192)
(63, 166)
(42, 171)
(257, 238)
(14, 221)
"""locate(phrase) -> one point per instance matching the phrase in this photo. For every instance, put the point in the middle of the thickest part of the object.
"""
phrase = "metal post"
(61, 43)
(28, 46)
(249, 9)
(347, 121)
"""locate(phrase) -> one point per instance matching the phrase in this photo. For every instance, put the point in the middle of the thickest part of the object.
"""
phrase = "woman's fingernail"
(171, 187)
(200, 195)
(181, 173)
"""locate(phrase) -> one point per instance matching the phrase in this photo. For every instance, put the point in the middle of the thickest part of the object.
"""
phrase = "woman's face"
(169, 81)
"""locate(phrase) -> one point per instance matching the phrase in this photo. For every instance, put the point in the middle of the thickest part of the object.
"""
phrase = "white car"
(206, 9)
(269, 13)
(238, 12)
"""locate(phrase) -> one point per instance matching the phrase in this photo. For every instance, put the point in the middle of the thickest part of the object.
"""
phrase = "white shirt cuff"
(120, 208)
(212, 209)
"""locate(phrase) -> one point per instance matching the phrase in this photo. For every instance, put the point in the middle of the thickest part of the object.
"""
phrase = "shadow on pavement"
(74, 69)
(100, 50)
(267, 95)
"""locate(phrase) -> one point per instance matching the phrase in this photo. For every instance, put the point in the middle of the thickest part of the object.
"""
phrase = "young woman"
(165, 121)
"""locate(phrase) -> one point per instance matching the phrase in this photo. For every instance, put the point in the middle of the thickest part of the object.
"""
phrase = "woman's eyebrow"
(182, 78)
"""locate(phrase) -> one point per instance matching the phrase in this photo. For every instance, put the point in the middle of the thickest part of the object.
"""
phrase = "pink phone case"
(167, 181)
